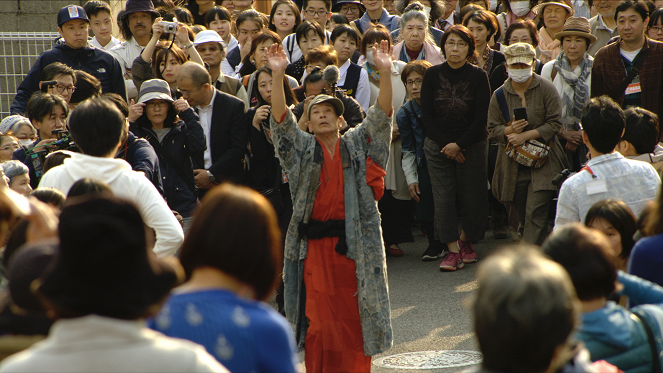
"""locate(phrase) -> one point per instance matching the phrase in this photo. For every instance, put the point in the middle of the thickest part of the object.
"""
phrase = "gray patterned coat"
(301, 158)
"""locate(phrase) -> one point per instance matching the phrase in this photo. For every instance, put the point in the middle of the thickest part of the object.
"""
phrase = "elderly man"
(334, 254)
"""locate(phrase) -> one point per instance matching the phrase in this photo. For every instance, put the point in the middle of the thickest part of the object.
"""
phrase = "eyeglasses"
(160, 104)
(61, 88)
(657, 29)
(349, 9)
(188, 93)
(417, 82)
(451, 44)
(319, 13)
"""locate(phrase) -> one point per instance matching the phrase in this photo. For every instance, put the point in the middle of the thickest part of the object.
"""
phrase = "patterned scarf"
(576, 91)
(372, 73)
(550, 49)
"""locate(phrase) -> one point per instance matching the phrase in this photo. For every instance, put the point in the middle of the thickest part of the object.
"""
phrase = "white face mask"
(369, 58)
(427, 10)
(520, 8)
(520, 75)
(25, 142)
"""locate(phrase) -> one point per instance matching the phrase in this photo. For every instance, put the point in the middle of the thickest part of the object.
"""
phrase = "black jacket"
(141, 157)
(185, 141)
(95, 61)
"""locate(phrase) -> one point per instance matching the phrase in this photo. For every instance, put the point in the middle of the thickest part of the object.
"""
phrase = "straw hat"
(538, 10)
(578, 26)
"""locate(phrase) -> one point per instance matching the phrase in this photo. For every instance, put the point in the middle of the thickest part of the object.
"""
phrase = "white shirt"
(363, 94)
(291, 47)
(102, 344)
(633, 182)
(125, 53)
(629, 55)
(205, 115)
(226, 69)
(111, 44)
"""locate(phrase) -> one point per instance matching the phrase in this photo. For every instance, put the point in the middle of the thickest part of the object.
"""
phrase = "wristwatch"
(210, 176)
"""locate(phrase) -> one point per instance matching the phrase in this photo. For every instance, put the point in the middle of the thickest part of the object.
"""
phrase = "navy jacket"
(185, 141)
(142, 157)
(95, 61)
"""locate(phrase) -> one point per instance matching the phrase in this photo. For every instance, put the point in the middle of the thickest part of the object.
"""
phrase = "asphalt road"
(428, 307)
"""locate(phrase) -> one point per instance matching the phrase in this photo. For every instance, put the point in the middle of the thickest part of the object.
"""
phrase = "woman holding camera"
(176, 142)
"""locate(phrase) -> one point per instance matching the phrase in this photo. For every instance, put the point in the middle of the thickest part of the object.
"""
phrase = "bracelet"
(188, 46)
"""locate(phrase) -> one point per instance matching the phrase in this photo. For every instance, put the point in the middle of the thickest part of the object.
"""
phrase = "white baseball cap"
(208, 36)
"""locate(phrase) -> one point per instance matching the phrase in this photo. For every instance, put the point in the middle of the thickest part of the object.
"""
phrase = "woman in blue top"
(232, 260)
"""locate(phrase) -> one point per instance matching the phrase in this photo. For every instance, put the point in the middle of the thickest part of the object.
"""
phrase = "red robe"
(334, 340)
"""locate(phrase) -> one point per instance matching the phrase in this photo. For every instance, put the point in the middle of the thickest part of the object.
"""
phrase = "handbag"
(532, 153)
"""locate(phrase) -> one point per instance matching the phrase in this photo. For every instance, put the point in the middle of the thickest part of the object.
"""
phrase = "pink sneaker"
(467, 252)
(452, 262)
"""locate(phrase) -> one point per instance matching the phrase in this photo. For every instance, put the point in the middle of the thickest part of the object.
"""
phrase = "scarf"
(487, 56)
(372, 73)
(550, 49)
(575, 93)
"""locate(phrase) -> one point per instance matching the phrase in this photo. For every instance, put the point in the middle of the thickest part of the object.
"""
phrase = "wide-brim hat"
(538, 10)
(337, 7)
(154, 89)
(578, 26)
(103, 266)
(520, 53)
(134, 6)
(319, 99)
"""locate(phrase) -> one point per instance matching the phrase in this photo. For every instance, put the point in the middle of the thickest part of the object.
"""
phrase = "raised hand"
(382, 57)
(277, 59)
(157, 28)
(135, 110)
(181, 104)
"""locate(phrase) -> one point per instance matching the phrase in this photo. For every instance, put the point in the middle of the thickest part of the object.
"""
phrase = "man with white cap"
(73, 26)
(212, 50)
(334, 253)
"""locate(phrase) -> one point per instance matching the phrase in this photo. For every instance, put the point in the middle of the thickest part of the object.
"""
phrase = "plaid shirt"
(608, 73)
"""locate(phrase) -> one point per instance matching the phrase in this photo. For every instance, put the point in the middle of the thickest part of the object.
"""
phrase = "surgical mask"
(520, 8)
(25, 142)
(520, 75)
(369, 58)
(427, 10)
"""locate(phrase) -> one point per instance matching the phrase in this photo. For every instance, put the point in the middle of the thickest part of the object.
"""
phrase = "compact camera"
(169, 27)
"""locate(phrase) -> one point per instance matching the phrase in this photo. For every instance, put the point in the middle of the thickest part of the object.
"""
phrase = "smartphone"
(520, 113)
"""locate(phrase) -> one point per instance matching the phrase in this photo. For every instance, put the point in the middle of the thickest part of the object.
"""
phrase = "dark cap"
(335, 102)
(71, 12)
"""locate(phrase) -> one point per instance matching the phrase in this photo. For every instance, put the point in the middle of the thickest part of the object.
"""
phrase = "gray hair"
(14, 168)
(415, 11)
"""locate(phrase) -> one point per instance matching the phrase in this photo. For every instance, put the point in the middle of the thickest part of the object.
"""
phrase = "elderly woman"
(571, 74)
(19, 178)
(454, 103)
(416, 41)
(434, 9)
(484, 26)
(228, 282)
(156, 117)
(333, 251)
(526, 189)
(554, 14)
(20, 127)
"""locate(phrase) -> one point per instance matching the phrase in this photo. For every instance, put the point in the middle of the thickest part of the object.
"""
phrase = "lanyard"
(586, 168)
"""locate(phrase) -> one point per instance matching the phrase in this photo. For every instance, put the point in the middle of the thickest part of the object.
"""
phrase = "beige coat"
(543, 114)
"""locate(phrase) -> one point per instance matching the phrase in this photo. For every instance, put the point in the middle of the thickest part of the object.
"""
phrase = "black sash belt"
(316, 229)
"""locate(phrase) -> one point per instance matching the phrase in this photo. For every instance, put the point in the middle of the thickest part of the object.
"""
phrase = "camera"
(37, 155)
(169, 27)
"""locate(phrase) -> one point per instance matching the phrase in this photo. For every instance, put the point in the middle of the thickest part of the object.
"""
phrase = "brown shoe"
(394, 250)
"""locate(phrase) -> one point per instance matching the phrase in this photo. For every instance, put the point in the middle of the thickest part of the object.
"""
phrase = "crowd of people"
(216, 155)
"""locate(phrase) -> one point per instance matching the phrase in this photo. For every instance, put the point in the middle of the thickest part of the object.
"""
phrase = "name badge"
(596, 187)
(633, 88)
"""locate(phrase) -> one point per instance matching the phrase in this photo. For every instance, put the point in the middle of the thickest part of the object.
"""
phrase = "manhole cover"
(430, 359)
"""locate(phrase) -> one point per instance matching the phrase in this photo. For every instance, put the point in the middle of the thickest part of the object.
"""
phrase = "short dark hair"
(463, 33)
(620, 216)
(94, 7)
(641, 129)
(314, 77)
(416, 66)
(375, 33)
(118, 101)
(339, 19)
(87, 86)
(250, 15)
(236, 231)
(306, 26)
(522, 24)
(49, 195)
(54, 159)
(654, 17)
(42, 104)
(292, 6)
(487, 19)
(217, 11)
(328, 4)
(638, 7)
(603, 121)
(97, 126)
(585, 254)
(183, 15)
(345, 29)
(89, 187)
(56, 68)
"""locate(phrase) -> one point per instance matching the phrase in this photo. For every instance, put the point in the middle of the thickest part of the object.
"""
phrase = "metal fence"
(19, 50)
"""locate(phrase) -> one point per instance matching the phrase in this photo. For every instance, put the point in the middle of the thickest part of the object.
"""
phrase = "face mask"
(427, 10)
(369, 58)
(520, 8)
(25, 142)
(520, 75)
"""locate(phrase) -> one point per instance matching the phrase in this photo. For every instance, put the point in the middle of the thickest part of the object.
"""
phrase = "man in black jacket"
(74, 51)
(221, 116)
